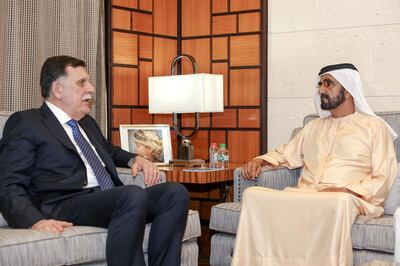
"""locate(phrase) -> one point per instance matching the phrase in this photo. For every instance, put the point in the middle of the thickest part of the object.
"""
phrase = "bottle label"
(223, 157)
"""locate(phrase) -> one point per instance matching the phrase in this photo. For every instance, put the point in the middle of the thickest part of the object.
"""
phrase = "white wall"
(305, 35)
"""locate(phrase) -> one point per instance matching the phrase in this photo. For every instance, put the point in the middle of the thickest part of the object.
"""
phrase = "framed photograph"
(150, 141)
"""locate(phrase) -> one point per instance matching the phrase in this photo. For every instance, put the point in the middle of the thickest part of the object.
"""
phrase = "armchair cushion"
(373, 234)
(29, 247)
(392, 202)
(392, 118)
(367, 233)
(225, 217)
(3, 222)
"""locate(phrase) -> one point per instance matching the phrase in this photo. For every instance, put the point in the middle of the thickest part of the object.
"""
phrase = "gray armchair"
(80, 245)
(373, 239)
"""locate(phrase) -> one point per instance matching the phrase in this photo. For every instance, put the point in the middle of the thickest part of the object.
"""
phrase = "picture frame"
(151, 141)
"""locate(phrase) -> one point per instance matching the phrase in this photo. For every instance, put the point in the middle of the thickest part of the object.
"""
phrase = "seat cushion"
(192, 230)
(84, 244)
(373, 234)
(4, 115)
(225, 217)
(80, 239)
(367, 233)
(76, 245)
(29, 247)
(3, 222)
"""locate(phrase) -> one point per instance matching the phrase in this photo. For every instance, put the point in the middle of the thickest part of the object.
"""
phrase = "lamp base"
(187, 163)
(187, 151)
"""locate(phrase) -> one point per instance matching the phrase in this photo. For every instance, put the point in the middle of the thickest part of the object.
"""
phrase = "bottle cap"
(213, 144)
(222, 145)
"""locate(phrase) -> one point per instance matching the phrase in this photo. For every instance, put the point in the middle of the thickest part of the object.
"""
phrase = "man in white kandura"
(348, 153)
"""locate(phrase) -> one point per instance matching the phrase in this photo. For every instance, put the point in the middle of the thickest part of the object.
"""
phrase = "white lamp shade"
(186, 94)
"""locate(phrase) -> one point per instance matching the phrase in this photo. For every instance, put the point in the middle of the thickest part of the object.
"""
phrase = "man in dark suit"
(57, 170)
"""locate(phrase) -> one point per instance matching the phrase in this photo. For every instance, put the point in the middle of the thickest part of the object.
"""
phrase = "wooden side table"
(198, 184)
(178, 174)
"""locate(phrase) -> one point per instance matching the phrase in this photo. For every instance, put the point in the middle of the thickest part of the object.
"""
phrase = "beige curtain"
(33, 30)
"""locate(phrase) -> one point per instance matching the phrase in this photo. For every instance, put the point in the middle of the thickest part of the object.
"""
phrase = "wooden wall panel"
(188, 120)
(249, 118)
(136, 50)
(120, 19)
(164, 52)
(150, 42)
(120, 116)
(222, 68)
(125, 84)
(125, 3)
(224, 24)
(163, 119)
(142, 22)
(165, 17)
(141, 116)
(145, 47)
(239, 5)
(200, 50)
(245, 87)
(125, 48)
(226, 119)
(243, 145)
(219, 48)
(146, 5)
(245, 50)
(195, 17)
(146, 71)
(219, 6)
(249, 22)
(218, 136)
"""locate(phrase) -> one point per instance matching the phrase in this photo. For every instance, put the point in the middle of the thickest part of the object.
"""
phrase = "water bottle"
(222, 157)
(213, 155)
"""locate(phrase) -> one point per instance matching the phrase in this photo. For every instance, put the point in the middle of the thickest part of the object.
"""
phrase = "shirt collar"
(61, 116)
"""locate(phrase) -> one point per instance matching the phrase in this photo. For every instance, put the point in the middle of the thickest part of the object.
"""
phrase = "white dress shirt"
(63, 118)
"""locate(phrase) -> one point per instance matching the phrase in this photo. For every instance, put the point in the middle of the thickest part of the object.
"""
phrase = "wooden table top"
(177, 174)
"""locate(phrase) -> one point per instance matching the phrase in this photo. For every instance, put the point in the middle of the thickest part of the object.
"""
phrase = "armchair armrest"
(126, 177)
(397, 148)
(396, 225)
(270, 178)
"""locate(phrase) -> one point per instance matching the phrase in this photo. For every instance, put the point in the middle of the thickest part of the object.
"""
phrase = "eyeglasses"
(327, 83)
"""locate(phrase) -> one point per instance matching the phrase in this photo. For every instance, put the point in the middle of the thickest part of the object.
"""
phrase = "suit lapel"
(54, 126)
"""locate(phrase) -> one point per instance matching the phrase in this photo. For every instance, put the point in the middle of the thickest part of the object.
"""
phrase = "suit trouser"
(125, 210)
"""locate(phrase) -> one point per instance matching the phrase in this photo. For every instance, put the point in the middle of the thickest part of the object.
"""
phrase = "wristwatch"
(132, 161)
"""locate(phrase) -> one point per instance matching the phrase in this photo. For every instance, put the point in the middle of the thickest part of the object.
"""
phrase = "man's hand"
(252, 169)
(51, 225)
(150, 170)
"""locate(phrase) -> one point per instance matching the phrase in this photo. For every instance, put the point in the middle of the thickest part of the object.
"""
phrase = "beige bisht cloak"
(298, 226)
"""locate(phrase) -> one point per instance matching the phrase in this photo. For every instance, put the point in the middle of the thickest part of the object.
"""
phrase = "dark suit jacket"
(39, 164)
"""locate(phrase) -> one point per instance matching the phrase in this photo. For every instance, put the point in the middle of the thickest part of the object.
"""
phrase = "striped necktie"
(102, 176)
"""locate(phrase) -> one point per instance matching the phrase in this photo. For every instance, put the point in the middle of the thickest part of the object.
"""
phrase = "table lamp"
(189, 93)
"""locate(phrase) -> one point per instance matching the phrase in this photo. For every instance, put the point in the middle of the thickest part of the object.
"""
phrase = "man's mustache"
(325, 96)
